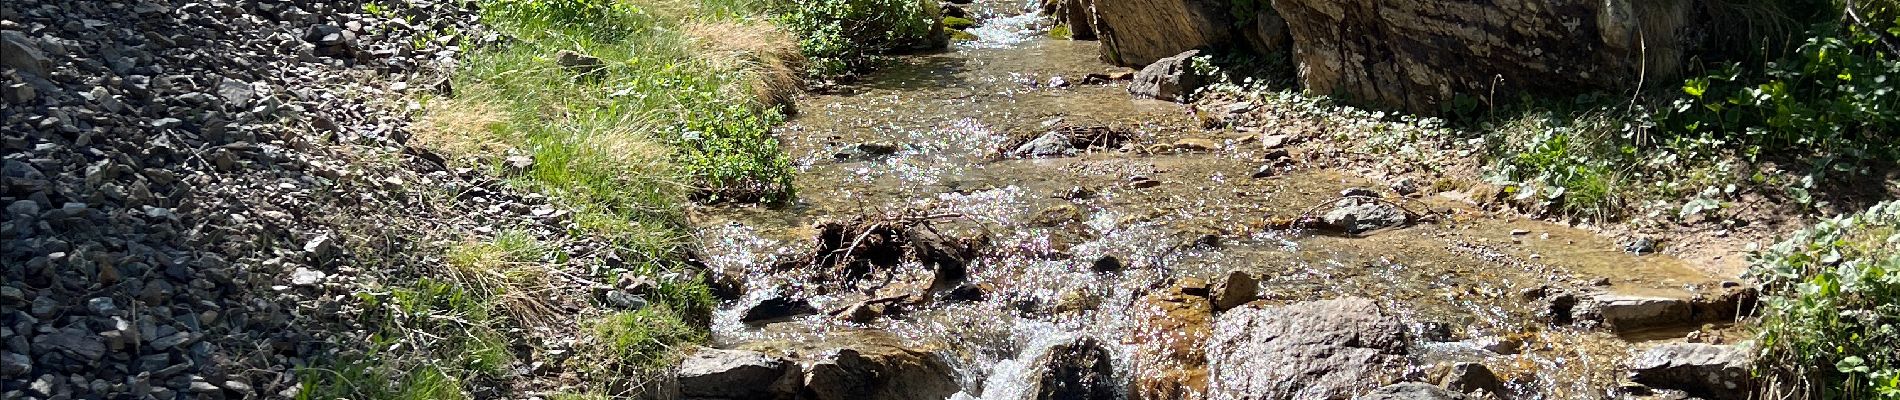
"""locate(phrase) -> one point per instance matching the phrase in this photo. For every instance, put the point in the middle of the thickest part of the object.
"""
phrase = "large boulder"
(1715, 372)
(1082, 369)
(1171, 79)
(1141, 32)
(866, 365)
(737, 374)
(1418, 55)
(1329, 349)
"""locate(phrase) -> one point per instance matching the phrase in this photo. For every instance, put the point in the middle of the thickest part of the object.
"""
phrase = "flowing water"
(948, 114)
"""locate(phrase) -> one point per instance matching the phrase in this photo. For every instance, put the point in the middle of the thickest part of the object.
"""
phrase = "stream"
(946, 120)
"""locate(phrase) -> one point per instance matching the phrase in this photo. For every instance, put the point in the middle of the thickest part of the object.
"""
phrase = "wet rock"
(1237, 288)
(737, 374)
(1640, 245)
(1716, 372)
(1061, 214)
(862, 312)
(1052, 144)
(1628, 313)
(1106, 263)
(1142, 182)
(1082, 369)
(1142, 32)
(1170, 79)
(1468, 377)
(1170, 344)
(868, 365)
(777, 309)
(1312, 350)
(1409, 391)
(1360, 216)
(864, 152)
(952, 10)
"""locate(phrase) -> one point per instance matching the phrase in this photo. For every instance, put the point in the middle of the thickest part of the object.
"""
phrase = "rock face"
(1716, 372)
(737, 374)
(1171, 79)
(1079, 370)
(1314, 350)
(1140, 32)
(1418, 55)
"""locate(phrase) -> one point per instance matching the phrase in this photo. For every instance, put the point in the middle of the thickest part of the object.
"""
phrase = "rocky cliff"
(1420, 55)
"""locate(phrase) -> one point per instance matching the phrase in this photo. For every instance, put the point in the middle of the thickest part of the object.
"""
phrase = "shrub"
(845, 36)
(1831, 97)
(1831, 318)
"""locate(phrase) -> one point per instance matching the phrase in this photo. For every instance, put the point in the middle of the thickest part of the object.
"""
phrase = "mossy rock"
(958, 23)
(961, 36)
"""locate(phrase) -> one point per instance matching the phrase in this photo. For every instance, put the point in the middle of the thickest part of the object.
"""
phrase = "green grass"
(409, 355)
(679, 109)
(1830, 325)
(636, 343)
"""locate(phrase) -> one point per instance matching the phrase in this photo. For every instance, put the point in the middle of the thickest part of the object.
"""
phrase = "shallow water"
(949, 114)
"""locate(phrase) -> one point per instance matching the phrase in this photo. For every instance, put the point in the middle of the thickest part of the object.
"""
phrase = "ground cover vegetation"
(623, 111)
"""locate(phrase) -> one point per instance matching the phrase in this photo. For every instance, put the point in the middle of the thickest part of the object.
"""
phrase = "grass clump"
(410, 355)
(514, 269)
(845, 36)
(1830, 325)
(626, 348)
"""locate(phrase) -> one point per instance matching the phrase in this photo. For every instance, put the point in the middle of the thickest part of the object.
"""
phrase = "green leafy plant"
(1830, 99)
(844, 36)
(1830, 325)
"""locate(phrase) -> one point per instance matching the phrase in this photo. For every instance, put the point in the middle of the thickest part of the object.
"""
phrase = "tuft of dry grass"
(510, 268)
(462, 127)
(766, 54)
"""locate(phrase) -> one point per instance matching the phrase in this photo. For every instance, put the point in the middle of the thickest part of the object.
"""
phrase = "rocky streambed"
(1004, 221)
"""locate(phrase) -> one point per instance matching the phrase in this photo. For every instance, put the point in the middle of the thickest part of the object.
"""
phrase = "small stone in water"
(1107, 264)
